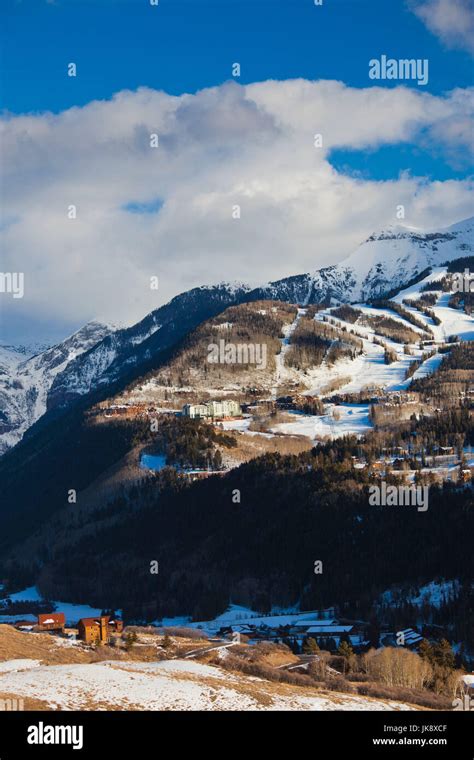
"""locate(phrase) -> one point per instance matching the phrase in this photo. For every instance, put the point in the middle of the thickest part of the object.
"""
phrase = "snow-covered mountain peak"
(395, 255)
(25, 383)
(393, 231)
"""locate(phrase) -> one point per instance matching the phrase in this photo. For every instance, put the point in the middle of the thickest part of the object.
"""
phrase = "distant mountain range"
(98, 355)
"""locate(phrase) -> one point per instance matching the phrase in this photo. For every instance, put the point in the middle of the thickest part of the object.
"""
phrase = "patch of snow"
(15, 666)
(434, 593)
(339, 420)
(14, 618)
(154, 462)
(30, 594)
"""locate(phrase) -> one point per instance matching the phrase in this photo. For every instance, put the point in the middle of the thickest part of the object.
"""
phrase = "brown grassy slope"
(50, 649)
(18, 645)
(190, 376)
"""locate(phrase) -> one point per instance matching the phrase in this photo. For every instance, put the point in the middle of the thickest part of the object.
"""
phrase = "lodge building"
(97, 630)
(212, 410)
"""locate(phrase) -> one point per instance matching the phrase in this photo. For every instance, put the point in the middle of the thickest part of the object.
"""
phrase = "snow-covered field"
(236, 615)
(368, 370)
(344, 419)
(16, 666)
(169, 685)
(154, 462)
(238, 424)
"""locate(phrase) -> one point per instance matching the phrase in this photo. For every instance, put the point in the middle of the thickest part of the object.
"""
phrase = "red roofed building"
(52, 621)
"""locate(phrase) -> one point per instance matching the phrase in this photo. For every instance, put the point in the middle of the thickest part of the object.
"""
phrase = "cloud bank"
(168, 211)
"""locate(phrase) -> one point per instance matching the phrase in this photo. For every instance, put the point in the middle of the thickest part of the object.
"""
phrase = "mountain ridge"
(384, 261)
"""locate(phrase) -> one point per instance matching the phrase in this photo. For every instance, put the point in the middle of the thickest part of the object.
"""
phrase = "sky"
(223, 141)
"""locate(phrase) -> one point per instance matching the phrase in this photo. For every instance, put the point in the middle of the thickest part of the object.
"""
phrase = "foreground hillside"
(51, 673)
(170, 685)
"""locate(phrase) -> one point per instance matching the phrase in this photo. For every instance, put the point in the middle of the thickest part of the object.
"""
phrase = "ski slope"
(369, 369)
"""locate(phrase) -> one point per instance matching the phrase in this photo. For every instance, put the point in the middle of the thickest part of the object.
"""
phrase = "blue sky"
(185, 45)
(247, 140)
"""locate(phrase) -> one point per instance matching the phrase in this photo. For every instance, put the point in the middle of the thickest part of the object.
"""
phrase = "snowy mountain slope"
(369, 368)
(97, 355)
(9, 359)
(26, 350)
(363, 372)
(25, 384)
(119, 353)
(387, 260)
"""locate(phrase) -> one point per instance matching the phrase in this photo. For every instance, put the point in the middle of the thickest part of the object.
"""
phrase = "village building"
(320, 630)
(97, 630)
(336, 632)
(52, 621)
(94, 630)
(116, 626)
(212, 410)
(273, 627)
(305, 624)
(411, 638)
(195, 411)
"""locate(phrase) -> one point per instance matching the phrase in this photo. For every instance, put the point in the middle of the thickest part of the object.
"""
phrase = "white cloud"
(450, 20)
(248, 145)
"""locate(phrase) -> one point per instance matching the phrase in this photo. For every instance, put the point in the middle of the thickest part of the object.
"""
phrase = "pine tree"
(345, 650)
(444, 655)
(217, 460)
(310, 646)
